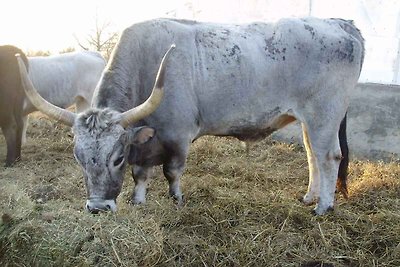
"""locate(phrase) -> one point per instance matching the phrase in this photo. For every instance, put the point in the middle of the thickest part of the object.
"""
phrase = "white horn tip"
(173, 45)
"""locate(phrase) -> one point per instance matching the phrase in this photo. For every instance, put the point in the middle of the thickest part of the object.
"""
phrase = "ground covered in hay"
(240, 210)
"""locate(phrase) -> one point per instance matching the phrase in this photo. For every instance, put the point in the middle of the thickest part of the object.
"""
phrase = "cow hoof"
(135, 201)
(178, 200)
(319, 211)
(307, 200)
(11, 163)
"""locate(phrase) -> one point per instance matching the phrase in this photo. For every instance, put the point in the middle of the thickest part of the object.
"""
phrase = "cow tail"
(341, 184)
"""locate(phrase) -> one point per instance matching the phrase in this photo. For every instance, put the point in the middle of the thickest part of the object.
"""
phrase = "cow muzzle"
(96, 205)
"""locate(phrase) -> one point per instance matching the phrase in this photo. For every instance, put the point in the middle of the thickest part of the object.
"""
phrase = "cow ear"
(141, 135)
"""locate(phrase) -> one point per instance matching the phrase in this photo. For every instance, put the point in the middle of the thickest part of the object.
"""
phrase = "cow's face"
(101, 149)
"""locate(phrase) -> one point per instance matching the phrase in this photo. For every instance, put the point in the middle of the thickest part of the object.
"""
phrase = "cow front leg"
(9, 132)
(141, 176)
(174, 166)
(13, 135)
(173, 171)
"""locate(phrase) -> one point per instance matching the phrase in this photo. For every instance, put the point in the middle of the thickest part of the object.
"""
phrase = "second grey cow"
(64, 80)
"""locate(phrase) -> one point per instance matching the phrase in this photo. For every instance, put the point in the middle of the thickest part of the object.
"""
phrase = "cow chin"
(96, 205)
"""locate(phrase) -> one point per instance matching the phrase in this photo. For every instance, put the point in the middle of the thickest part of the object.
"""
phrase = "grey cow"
(226, 80)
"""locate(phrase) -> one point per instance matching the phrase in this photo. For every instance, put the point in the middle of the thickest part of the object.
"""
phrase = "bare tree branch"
(79, 43)
(100, 39)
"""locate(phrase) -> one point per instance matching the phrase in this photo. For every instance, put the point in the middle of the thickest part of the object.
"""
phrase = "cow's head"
(101, 139)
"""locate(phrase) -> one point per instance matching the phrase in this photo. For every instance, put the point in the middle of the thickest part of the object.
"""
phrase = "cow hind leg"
(173, 171)
(324, 142)
(329, 160)
(314, 177)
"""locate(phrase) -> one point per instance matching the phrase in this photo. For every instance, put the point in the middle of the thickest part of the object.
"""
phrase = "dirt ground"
(240, 210)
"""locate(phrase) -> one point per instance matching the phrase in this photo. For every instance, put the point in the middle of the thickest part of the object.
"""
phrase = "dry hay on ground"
(240, 210)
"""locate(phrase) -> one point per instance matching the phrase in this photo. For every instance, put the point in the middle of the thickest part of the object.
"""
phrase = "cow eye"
(118, 161)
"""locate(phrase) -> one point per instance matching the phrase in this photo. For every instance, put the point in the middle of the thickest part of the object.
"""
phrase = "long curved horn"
(151, 104)
(64, 116)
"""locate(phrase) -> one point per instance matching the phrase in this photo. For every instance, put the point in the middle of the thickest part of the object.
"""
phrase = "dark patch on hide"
(233, 53)
(207, 39)
(310, 29)
(322, 43)
(345, 51)
(235, 49)
(273, 49)
(349, 27)
(270, 46)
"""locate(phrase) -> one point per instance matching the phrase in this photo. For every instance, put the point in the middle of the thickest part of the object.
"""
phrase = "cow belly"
(258, 131)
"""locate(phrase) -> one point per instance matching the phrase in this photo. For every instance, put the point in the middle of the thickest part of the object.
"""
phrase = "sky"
(52, 25)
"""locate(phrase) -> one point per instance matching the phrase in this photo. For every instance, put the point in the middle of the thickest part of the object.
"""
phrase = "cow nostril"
(108, 207)
(94, 211)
